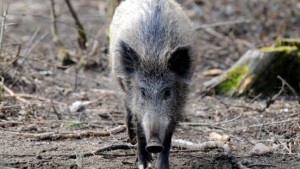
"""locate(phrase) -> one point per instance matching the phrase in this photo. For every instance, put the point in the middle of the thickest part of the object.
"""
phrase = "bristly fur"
(153, 28)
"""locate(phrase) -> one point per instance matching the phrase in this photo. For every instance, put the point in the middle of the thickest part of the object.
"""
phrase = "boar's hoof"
(154, 147)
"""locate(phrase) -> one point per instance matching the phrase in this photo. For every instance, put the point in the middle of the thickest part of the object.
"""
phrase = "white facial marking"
(141, 166)
(145, 124)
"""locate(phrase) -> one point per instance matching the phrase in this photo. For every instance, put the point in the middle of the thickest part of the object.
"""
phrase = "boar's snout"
(154, 146)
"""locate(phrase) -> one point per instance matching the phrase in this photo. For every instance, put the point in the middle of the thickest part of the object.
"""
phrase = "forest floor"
(39, 129)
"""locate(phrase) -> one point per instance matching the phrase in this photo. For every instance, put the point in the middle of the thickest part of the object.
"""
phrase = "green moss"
(233, 79)
(286, 49)
(72, 123)
(288, 42)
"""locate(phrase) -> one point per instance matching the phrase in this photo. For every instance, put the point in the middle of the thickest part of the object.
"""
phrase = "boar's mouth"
(154, 146)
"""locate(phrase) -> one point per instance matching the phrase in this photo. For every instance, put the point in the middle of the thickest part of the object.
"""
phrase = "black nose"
(154, 147)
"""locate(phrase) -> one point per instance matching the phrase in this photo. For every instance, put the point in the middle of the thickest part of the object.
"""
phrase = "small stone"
(260, 149)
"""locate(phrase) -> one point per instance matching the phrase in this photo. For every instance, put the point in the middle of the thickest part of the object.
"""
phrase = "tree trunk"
(257, 70)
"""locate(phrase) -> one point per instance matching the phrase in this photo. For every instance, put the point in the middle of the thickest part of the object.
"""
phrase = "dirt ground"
(39, 129)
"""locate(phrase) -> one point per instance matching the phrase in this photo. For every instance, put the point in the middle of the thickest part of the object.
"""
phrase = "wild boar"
(151, 54)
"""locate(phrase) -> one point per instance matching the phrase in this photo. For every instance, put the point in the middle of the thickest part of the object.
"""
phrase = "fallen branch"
(73, 135)
(106, 148)
(175, 143)
(40, 98)
(202, 146)
(21, 97)
(12, 93)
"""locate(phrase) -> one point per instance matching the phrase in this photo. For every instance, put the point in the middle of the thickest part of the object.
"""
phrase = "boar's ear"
(128, 58)
(180, 62)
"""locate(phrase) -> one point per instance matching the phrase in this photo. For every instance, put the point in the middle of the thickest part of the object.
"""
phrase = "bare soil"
(41, 92)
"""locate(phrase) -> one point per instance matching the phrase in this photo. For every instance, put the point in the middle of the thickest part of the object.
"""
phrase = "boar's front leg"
(131, 129)
(163, 157)
(144, 157)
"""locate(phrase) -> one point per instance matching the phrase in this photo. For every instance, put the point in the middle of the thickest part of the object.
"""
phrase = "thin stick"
(31, 40)
(82, 40)
(54, 29)
(107, 148)
(11, 93)
(207, 124)
(290, 87)
(225, 23)
(73, 135)
(34, 46)
(40, 98)
(3, 26)
(270, 101)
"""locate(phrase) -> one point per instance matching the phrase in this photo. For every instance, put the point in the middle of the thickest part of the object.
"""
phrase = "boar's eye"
(166, 93)
(143, 93)
(129, 58)
(180, 62)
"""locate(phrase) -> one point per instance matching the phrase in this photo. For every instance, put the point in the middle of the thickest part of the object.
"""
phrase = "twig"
(225, 23)
(73, 135)
(261, 165)
(3, 27)
(29, 43)
(25, 56)
(270, 101)
(31, 14)
(11, 44)
(290, 87)
(40, 98)
(11, 93)
(271, 123)
(215, 124)
(107, 148)
(46, 63)
(82, 39)
(54, 30)
(9, 107)
(22, 96)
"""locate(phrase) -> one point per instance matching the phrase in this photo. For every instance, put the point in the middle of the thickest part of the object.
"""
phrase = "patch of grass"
(72, 123)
